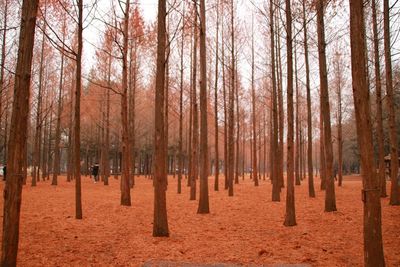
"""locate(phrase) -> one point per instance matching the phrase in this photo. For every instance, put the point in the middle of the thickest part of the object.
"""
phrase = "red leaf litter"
(246, 229)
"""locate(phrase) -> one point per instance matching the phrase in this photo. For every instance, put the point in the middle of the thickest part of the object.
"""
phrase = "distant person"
(95, 172)
(4, 172)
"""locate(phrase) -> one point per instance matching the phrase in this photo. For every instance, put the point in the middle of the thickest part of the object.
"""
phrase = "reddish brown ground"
(245, 229)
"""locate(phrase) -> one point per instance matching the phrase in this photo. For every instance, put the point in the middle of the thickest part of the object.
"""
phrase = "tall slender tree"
(339, 80)
(2, 71)
(253, 109)
(290, 216)
(216, 180)
(160, 222)
(394, 154)
(373, 247)
(378, 88)
(203, 199)
(77, 116)
(195, 113)
(274, 147)
(125, 174)
(18, 135)
(180, 142)
(330, 200)
(231, 110)
(57, 149)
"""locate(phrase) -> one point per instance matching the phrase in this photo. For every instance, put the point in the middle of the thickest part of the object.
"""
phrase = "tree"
(125, 177)
(231, 110)
(39, 109)
(290, 217)
(298, 156)
(19, 127)
(77, 116)
(203, 200)
(2, 68)
(253, 111)
(338, 72)
(379, 119)
(274, 147)
(330, 200)
(180, 142)
(216, 181)
(373, 247)
(394, 154)
(57, 150)
(195, 113)
(160, 222)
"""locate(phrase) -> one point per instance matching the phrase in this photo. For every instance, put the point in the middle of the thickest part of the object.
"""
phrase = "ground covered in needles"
(245, 229)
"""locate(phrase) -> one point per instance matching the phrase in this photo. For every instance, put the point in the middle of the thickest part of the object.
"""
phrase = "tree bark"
(203, 199)
(274, 146)
(2, 68)
(330, 200)
(39, 120)
(19, 127)
(216, 181)
(298, 155)
(373, 247)
(180, 144)
(231, 111)
(195, 128)
(379, 119)
(77, 116)
(290, 217)
(394, 155)
(160, 222)
(253, 113)
(125, 173)
(338, 74)
(57, 149)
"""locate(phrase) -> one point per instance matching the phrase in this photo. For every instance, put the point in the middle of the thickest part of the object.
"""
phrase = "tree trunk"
(19, 128)
(216, 181)
(379, 119)
(281, 112)
(394, 155)
(373, 247)
(160, 222)
(2, 68)
(231, 121)
(311, 190)
(180, 144)
(107, 133)
(322, 169)
(77, 121)
(225, 108)
(195, 129)
(203, 199)
(190, 136)
(330, 200)
(133, 72)
(39, 120)
(298, 155)
(338, 73)
(57, 148)
(236, 87)
(253, 113)
(290, 217)
(125, 173)
(274, 146)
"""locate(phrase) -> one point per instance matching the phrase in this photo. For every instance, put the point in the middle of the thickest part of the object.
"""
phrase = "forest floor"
(245, 229)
